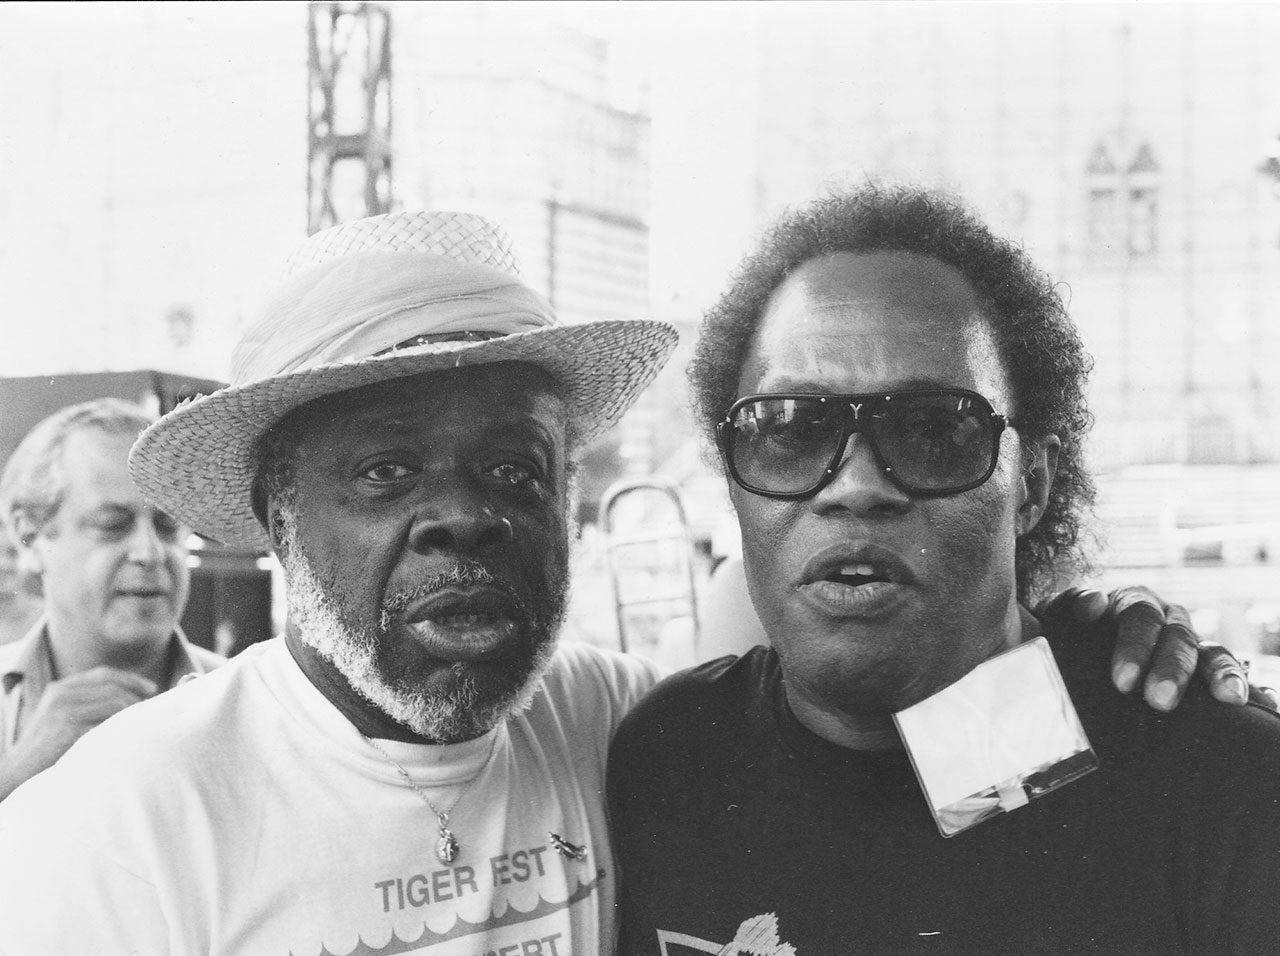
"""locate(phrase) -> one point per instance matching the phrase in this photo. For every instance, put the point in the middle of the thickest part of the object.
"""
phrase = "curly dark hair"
(1042, 352)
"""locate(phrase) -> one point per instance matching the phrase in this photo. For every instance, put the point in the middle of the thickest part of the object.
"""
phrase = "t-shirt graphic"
(507, 928)
(757, 936)
(243, 814)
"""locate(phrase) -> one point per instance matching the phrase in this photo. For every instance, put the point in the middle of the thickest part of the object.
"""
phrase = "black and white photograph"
(639, 477)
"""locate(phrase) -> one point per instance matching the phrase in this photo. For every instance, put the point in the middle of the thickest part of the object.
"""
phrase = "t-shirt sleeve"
(621, 680)
(59, 894)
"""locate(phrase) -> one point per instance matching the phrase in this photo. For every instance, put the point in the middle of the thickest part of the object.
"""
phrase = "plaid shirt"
(26, 669)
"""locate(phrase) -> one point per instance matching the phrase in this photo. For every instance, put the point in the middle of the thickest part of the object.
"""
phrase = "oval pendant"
(446, 846)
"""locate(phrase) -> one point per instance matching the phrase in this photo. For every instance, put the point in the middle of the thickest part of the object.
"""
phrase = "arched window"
(1103, 207)
(1123, 202)
(1143, 203)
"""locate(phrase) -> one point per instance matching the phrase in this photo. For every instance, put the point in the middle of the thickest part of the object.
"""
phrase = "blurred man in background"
(113, 573)
(19, 605)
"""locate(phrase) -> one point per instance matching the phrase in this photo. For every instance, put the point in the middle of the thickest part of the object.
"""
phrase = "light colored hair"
(33, 483)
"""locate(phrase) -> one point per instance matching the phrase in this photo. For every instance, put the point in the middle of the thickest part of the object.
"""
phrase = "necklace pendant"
(446, 846)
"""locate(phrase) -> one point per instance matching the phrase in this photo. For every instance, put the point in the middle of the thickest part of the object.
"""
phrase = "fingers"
(1174, 661)
(1224, 674)
(71, 706)
(1228, 678)
(86, 699)
(88, 707)
(1158, 639)
(1140, 617)
(1054, 606)
(1077, 605)
(90, 713)
(135, 684)
(1264, 697)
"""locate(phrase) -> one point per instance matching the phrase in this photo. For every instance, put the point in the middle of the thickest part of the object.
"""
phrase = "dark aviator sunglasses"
(928, 442)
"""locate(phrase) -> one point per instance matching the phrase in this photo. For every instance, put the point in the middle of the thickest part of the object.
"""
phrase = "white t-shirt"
(242, 813)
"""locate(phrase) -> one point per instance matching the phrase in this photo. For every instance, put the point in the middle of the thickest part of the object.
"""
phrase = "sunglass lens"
(783, 445)
(935, 442)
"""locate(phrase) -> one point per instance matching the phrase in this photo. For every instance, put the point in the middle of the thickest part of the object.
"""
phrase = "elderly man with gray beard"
(416, 767)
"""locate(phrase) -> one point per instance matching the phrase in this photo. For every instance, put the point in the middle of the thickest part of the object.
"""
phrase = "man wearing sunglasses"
(897, 396)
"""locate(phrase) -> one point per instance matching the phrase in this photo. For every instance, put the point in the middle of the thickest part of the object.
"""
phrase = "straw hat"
(364, 302)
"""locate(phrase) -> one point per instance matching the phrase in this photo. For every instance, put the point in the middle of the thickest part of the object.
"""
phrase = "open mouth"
(463, 621)
(855, 564)
(860, 581)
(464, 624)
(857, 575)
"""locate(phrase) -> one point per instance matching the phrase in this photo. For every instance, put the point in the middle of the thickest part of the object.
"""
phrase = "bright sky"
(134, 117)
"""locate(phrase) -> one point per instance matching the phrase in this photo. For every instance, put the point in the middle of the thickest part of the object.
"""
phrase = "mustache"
(462, 574)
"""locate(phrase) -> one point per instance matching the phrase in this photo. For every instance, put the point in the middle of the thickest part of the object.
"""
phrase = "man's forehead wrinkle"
(800, 383)
(793, 349)
(376, 418)
(907, 299)
(912, 278)
(540, 414)
(814, 333)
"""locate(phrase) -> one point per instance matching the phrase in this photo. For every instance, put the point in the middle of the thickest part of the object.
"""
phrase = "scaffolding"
(349, 112)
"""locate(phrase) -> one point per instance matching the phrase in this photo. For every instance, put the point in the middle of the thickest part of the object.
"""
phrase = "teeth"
(465, 620)
(858, 570)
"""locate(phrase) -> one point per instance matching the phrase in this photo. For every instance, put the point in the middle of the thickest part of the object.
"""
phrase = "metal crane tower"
(349, 107)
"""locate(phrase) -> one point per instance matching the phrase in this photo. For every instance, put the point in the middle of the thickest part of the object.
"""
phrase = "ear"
(26, 538)
(273, 521)
(1037, 480)
(267, 513)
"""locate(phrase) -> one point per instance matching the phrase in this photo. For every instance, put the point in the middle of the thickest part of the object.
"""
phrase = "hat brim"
(199, 461)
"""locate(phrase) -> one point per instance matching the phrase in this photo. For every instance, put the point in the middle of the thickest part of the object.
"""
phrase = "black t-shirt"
(734, 824)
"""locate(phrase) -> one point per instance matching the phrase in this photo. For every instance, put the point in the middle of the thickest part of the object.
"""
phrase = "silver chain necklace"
(446, 843)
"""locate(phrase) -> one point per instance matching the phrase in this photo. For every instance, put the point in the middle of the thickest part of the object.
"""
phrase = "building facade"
(155, 167)
(1132, 149)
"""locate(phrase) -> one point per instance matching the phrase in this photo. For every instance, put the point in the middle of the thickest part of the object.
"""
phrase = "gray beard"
(463, 712)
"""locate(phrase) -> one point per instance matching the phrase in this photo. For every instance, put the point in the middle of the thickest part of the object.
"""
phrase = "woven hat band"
(351, 308)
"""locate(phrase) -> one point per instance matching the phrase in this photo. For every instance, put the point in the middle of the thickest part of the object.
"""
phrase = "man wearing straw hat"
(415, 766)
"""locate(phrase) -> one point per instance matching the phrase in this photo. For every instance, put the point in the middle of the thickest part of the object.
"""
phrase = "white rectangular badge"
(1000, 736)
